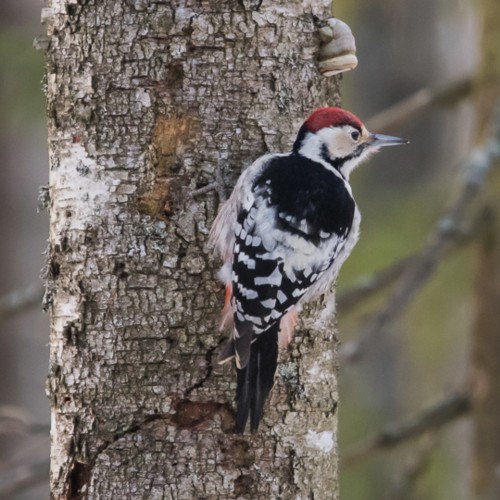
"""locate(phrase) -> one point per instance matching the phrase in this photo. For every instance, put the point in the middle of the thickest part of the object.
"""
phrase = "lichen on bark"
(147, 101)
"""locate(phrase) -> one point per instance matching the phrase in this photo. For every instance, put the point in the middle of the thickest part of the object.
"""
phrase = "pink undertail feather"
(287, 328)
(227, 324)
(226, 320)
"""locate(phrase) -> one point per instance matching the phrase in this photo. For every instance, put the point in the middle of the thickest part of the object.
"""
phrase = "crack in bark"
(78, 478)
(208, 372)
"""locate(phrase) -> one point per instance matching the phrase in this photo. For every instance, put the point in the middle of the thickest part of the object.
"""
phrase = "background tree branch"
(441, 413)
(448, 229)
(21, 299)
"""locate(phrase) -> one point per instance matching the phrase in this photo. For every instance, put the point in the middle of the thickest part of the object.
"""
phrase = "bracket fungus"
(338, 48)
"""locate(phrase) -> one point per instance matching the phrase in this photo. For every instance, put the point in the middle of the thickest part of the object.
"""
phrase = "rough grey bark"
(147, 101)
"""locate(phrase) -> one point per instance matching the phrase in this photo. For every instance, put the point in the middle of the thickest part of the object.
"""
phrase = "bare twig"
(367, 286)
(441, 413)
(217, 185)
(205, 189)
(19, 300)
(404, 483)
(448, 230)
(421, 100)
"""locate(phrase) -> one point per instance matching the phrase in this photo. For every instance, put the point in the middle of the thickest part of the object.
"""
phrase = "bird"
(283, 234)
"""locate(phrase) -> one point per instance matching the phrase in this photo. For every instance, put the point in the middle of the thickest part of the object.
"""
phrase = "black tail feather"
(256, 379)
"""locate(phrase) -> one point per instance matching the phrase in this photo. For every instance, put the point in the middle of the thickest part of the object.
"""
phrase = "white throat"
(314, 144)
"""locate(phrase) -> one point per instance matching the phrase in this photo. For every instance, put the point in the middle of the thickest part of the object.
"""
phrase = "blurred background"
(24, 408)
(408, 374)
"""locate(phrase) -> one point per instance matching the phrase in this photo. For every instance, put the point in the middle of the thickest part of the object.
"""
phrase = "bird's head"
(339, 137)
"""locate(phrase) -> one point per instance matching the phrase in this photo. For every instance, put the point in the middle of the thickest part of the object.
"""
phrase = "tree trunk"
(486, 338)
(147, 102)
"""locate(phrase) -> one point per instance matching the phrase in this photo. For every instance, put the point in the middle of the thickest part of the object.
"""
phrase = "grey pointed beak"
(379, 140)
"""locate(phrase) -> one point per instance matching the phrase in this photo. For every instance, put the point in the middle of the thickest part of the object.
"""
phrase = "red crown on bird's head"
(331, 117)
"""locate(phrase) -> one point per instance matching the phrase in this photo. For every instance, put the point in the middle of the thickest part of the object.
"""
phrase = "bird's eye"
(355, 135)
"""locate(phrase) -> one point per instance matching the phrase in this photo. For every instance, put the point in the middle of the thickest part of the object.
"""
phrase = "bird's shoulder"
(306, 196)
